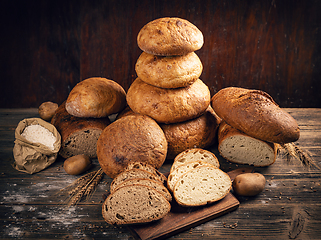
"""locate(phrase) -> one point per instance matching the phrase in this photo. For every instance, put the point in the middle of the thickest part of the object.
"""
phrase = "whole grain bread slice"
(131, 174)
(202, 185)
(147, 167)
(147, 182)
(134, 204)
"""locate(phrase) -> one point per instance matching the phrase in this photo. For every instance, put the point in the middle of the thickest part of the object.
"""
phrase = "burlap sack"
(33, 157)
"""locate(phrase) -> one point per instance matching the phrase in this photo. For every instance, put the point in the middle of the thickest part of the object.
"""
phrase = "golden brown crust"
(169, 36)
(131, 138)
(96, 97)
(255, 113)
(169, 105)
(169, 72)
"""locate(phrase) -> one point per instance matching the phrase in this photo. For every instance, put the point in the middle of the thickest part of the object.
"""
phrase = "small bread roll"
(169, 36)
(169, 105)
(96, 97)
(169, 72)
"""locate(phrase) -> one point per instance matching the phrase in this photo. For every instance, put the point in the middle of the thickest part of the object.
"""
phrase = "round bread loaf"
(169, 105)
(134, 138)
(169, 36)
(169, 72)
(96, 97)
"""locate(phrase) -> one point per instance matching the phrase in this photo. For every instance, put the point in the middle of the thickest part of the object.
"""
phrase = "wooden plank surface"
(288, 208)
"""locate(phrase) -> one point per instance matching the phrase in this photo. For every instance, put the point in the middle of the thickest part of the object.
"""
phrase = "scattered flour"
(38, 134)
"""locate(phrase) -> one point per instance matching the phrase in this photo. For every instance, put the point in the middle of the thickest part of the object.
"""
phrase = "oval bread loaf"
(255, 113)
(195, 154)
(238, 147)
(96, 97)
(169, 105)
(133, 138)
(134, 204)
(202, 185)
(169, 36)
(169, 72)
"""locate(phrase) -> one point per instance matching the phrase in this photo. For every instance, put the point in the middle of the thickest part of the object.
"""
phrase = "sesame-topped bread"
(202, 185)
(181, 170)
(147, 167)
(134, 204)
(195, 154)
(130, 174)
(147, 182)
(169, 36)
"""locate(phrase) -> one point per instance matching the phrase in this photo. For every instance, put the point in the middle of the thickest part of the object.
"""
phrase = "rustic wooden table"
(288, 208)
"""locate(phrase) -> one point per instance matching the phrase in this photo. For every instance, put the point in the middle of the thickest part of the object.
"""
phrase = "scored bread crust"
(181, 170)
(202, 185)
(169, 36)
(132, 174)
(133, 204)
(238, 147)
(129, 139)
(147, 182)
(194, 154)
(255, 113)
(96, 97)
(169, 105)
(169, 72)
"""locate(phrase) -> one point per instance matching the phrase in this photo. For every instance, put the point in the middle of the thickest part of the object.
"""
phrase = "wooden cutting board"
(181, 219)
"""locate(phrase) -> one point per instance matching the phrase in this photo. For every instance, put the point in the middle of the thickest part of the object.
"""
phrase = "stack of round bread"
(195, 178)
(137, 195)
(168, 88)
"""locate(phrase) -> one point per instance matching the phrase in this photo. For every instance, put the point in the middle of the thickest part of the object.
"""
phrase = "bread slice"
(134, 204)
(195, 154)
(181, 170)
(147, 182)
(202, 185)
(147, 167)
(238, 147)
(131, 174)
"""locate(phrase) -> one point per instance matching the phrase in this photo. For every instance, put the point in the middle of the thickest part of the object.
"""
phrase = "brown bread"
(255, 113)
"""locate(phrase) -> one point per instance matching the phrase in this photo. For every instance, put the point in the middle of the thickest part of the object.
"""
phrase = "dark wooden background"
(47, 47)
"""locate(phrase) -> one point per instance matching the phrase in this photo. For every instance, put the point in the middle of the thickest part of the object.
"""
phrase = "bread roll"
(169, 105)
(169, 72)
(169, 36)
(78, 135)
(238, 147)
(134, 138)
(96, 97)
(255, 113)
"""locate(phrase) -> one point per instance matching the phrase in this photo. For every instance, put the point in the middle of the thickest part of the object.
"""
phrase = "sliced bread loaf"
(131, 174)
(134, 204)
(181, 170)
(147, 167)
(195, 154)
(147, 182)
(238, 147)
(202, 185)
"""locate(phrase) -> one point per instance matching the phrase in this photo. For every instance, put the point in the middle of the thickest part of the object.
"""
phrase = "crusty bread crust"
(169, 105)
(255, 113)
(169, 36)
(131, 139)
(96, 97)
(169, 72)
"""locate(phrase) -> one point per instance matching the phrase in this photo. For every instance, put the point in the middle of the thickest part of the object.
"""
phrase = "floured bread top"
(170, 36)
